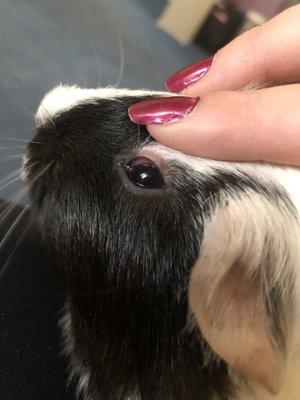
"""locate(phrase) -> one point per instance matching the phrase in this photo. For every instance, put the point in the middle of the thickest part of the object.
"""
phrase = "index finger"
(269, 54)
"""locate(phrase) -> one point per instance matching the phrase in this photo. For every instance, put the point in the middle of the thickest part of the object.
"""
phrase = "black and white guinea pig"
(182, 274)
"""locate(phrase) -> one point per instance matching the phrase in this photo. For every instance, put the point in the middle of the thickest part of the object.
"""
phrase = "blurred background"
(90, 43)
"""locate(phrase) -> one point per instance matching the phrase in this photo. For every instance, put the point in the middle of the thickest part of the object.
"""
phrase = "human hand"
(224, 122)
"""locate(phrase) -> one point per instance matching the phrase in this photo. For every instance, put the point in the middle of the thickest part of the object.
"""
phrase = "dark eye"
(145, 173)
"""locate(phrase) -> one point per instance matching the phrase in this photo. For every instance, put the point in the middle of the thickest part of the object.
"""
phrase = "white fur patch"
(63, 98)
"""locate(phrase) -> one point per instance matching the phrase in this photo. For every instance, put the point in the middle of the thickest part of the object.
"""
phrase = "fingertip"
(189, 75)
(162, 110)
(238, 126)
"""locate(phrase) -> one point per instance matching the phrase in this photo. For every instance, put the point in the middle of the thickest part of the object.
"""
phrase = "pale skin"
(233, 124)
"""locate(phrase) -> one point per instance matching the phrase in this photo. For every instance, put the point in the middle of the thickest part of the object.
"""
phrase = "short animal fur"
(186, 292)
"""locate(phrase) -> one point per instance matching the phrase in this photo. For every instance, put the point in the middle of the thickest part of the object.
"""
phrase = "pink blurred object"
(267, 7)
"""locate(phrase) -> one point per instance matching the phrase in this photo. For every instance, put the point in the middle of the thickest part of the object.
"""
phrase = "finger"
(252, 126)
(269, 54)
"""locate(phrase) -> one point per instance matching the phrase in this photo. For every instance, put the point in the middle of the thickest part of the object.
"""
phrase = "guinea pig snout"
(69, 136)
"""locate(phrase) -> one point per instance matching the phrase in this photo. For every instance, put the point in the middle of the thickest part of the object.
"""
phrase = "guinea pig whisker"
(19, 140)
(11, 206)
(10, 182)
(38, 175)
(26, 86)
(11, 175)
(121, 50)
(30, 112)
(122, 58)
(13, 227)
(97, 61)
(9, 258)
(13, 156)
(20, 194)
(24, 140)
(84, 77)
(12, 148)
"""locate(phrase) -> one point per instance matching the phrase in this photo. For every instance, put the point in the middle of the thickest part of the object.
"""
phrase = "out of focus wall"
(266, 7)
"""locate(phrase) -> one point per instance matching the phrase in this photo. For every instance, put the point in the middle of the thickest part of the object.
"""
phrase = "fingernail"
(162, 110)
(188, 75)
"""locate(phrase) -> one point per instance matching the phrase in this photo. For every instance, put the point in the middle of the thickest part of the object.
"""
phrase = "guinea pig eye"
(144, 173)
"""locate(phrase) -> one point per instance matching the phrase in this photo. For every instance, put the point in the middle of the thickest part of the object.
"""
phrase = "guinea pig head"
(140, 229)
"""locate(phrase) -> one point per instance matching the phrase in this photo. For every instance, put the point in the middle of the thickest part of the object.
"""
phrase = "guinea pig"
(181, 274)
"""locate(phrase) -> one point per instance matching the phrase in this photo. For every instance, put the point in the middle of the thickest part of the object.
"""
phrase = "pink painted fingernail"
(162, 110)
(188, 75)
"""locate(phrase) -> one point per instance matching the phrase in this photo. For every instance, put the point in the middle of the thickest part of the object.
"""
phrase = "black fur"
(125, 275)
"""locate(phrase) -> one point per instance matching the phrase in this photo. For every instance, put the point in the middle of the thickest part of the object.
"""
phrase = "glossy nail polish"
(162, 110)
(189, 75)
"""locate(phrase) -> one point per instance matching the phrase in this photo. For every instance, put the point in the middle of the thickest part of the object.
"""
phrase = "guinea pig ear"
(229, 293)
